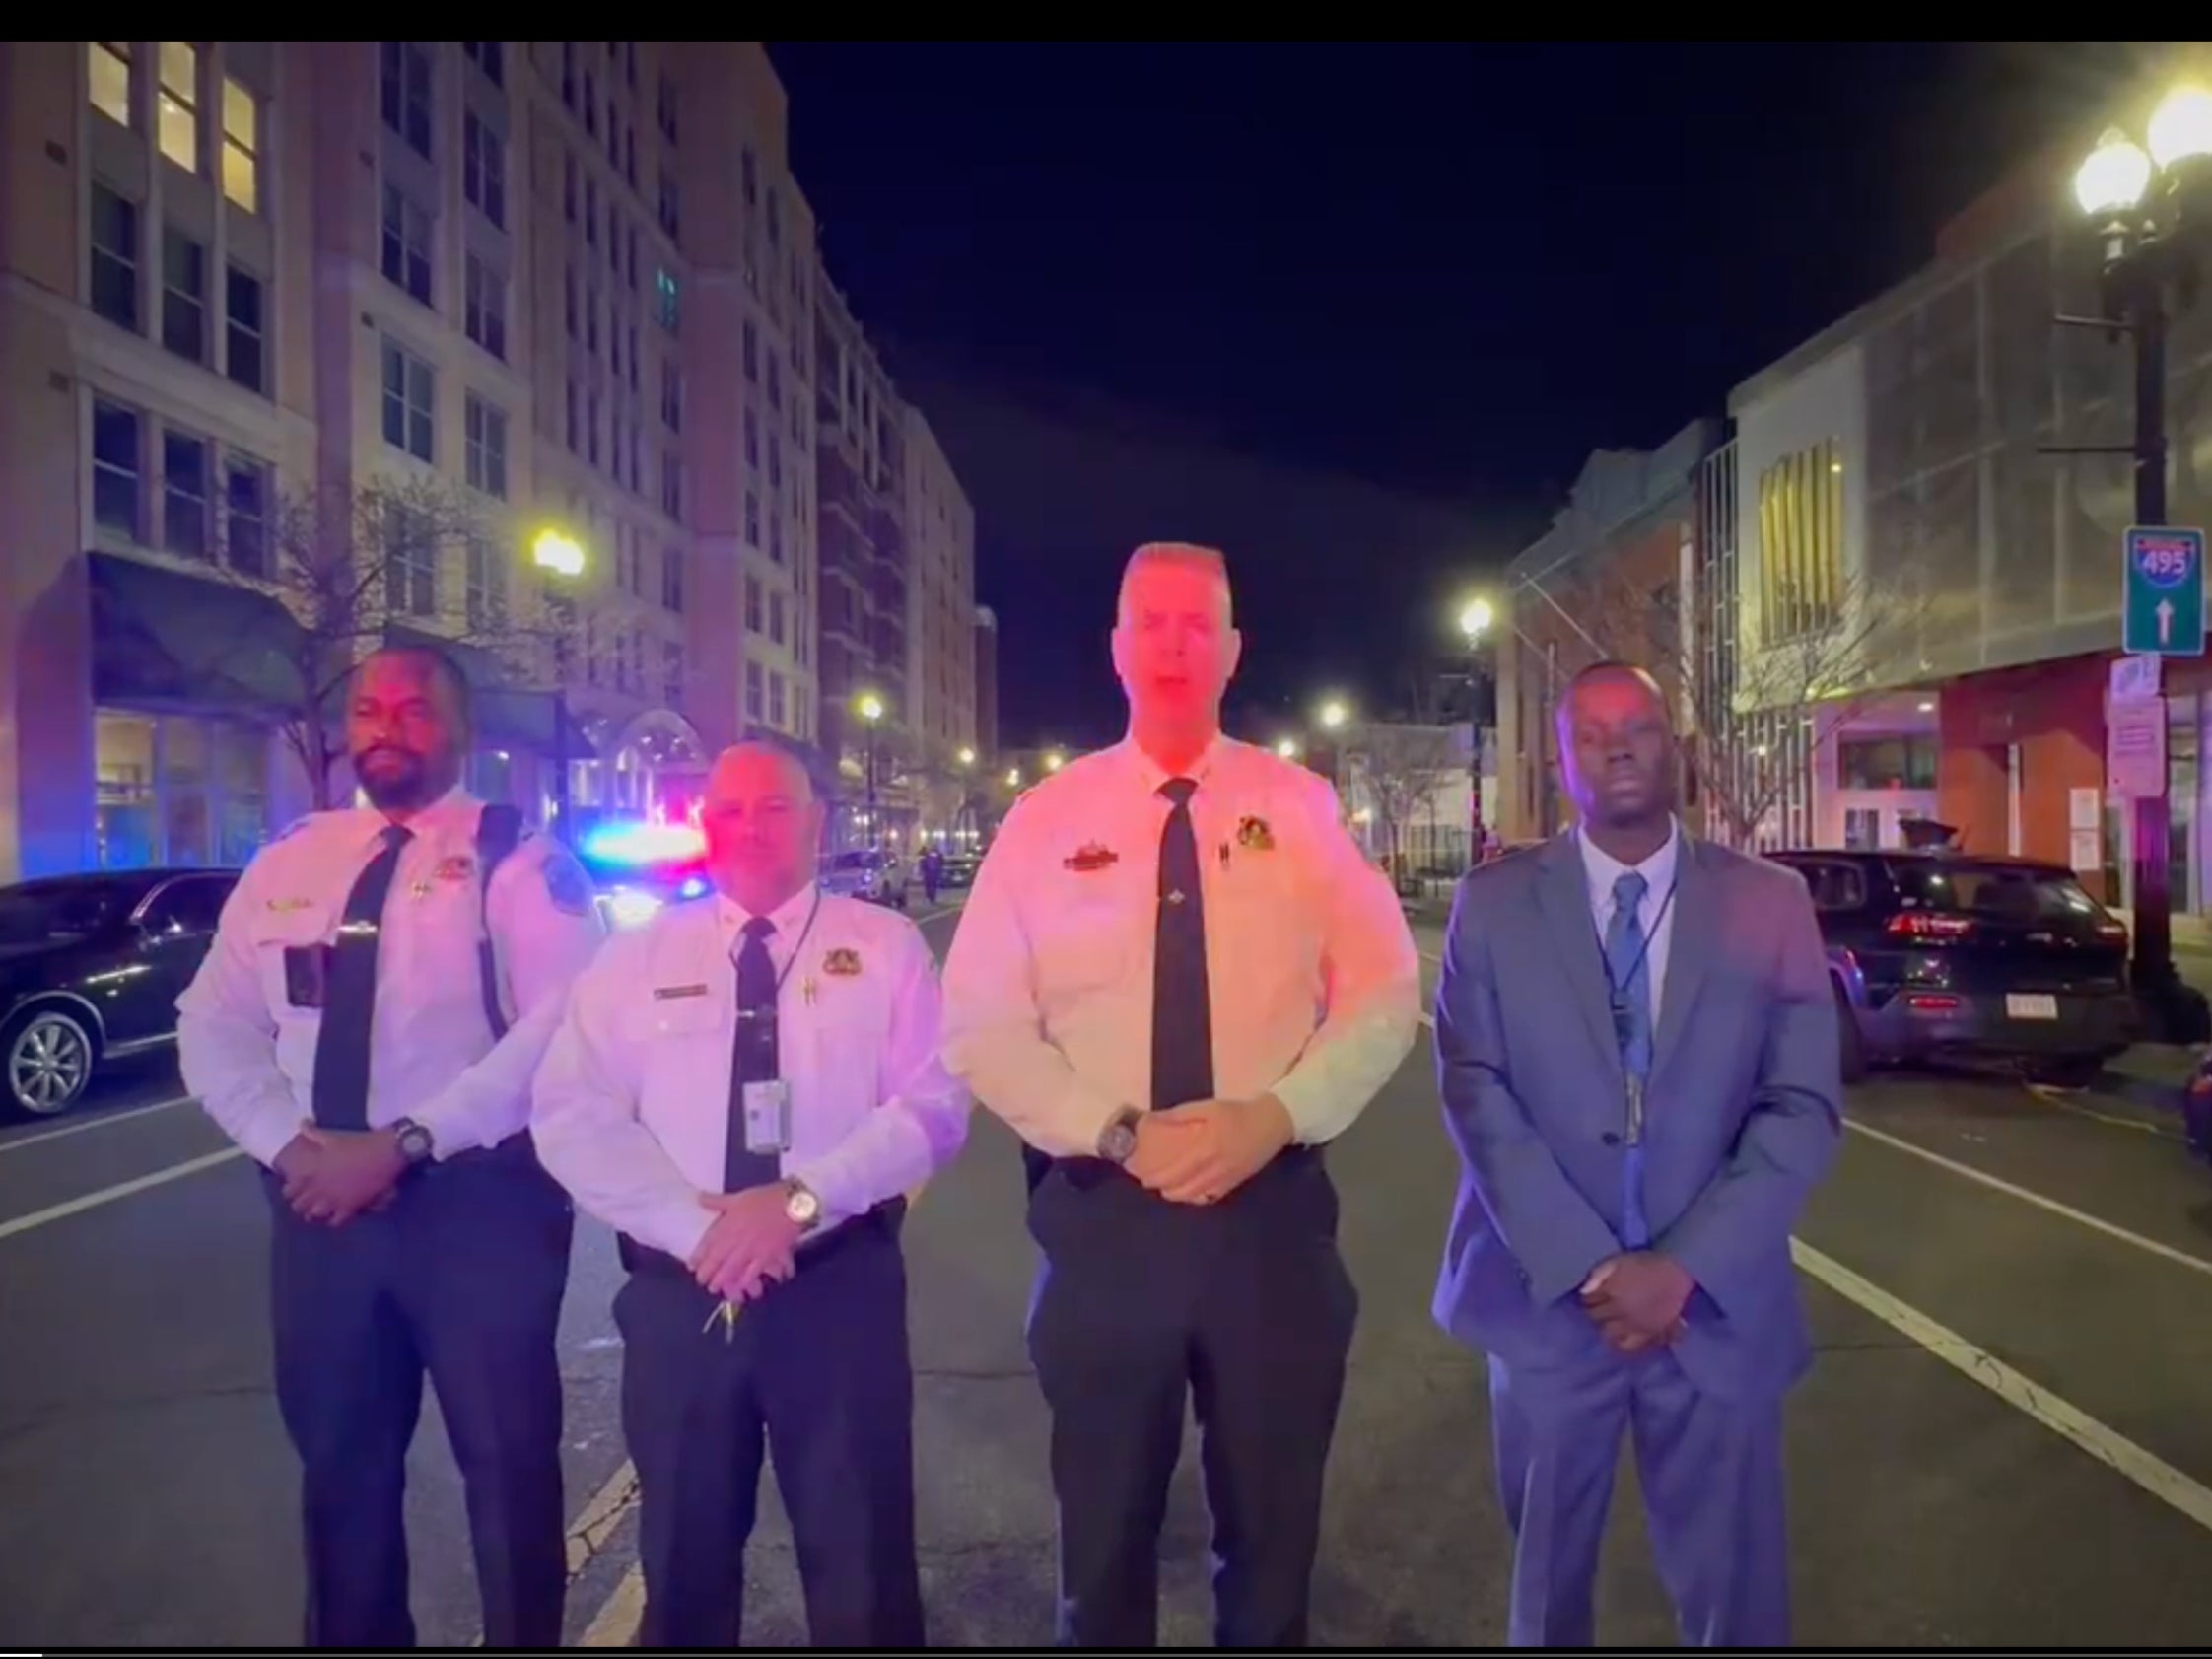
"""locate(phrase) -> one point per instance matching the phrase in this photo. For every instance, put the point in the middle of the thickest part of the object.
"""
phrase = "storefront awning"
(506, 713)
(164, 636)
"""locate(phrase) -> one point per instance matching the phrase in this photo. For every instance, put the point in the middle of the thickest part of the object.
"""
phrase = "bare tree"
(1401, 767)
(351, 566)
(1753, 728)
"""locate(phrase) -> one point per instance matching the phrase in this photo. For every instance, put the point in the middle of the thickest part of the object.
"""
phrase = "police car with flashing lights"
(639, 866)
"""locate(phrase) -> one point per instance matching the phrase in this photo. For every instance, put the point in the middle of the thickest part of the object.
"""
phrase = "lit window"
(180, 104)
(242, 146)
(109, 69)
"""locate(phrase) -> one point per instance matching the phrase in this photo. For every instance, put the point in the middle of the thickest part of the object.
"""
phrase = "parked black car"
(91, 967)
(1941, 953)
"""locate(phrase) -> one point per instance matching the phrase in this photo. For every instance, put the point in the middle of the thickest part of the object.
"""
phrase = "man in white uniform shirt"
(1178, 980)
(381, 985)
(745, 1089)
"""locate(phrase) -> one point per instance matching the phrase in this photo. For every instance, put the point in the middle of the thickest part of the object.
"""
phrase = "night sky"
(1357, 314)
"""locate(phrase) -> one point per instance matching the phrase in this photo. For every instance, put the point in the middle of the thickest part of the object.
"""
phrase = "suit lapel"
(1563, 891)
(1697, 924)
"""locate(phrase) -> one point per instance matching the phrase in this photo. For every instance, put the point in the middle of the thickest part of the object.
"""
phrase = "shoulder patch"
(567, 888)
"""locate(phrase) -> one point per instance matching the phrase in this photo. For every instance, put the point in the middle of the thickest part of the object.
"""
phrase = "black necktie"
(754, 1058)
(1182, 1010)
(349, 994)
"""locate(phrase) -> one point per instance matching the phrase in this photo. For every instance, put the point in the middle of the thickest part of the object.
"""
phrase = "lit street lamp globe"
(1334, 713)
(2115, 176)
(2181, 126)
(1475, 617)
(869, 707)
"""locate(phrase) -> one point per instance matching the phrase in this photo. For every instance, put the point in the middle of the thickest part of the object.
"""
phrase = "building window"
(568, 187)
(487, 587)
(489, 57)
(484, 169)
(777, 713)
(246, 514)
(108, 67)
(775, 219)
(665, 309)
(1902, 762)
(178, 789)
(487, 447)
(572, 422)
(184, 295)
(485, 310)
(410, 563)
(672, 395)
(671, 673)
(752, 691)
(752, 518)
(410, 401)
(406, 93)
(672, 577)
(664, 109)
(570, 307)
(671, 483)
(406, 243)
(671, 207)
(752, 604)
(242, 146)
(752, 438)
(1801, 543)
(776, 536)
(245, 342)
(776, 618)
(568, 72)
(749, 172)
(775, 384)
(115, 257)
(748, 351)
(591, 213)
(184, 480)
(180, 104)
(118, 469)
(775, 462)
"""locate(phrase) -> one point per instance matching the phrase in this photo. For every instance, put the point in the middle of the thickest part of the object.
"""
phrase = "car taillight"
(1921, 924)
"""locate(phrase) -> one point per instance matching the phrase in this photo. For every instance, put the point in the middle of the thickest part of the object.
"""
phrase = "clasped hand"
(1201, 1152)
(1638, 1299)
(331, 1176)
(751, 1244)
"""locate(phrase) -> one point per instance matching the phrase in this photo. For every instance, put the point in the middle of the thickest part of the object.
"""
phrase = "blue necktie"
(1628, 981)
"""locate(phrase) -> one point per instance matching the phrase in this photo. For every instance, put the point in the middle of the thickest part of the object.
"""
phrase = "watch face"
(414, 1143)
(1118, 1143)
(803, 1205)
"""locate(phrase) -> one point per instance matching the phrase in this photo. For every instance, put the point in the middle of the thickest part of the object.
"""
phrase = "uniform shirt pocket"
(1086, 927)
(273, 935)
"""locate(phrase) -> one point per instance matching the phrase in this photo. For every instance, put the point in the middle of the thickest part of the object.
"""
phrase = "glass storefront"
(178, 790)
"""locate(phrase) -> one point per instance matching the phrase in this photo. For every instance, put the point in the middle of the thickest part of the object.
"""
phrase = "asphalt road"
(2007, 1440)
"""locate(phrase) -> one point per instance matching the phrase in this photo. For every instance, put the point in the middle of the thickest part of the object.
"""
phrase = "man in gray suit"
(1637, 1044)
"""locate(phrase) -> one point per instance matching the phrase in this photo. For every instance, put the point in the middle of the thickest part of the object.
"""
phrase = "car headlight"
(628, 908)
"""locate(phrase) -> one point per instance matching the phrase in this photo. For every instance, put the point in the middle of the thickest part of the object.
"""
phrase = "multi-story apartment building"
(861, 552)
(940, 543)
(250, 286)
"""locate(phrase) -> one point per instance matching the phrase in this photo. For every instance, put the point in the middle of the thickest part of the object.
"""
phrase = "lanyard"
(1617, 989)
(790, 962)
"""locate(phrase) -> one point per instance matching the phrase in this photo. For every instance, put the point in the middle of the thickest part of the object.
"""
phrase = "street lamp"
(561, 557)
(1053, 760)
(2149, 210)
(1286, 747)
(1334, 713)
(1475, 617)
(1013, 777)
(869, 708)
(966, 757)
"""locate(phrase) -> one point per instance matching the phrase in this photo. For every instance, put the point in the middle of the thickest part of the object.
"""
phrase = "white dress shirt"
(1313, 983)
(1654, 915)
(249, 1055)
(631, 1108)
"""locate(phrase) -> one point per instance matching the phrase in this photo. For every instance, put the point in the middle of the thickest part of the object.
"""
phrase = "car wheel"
(49, 1059)
(1850, 1045)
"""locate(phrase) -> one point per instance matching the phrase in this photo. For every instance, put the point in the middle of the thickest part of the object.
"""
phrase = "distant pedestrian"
(745, 1088)
(381, 985)
(1178, 980)
(1637, 1048)
(933, 873)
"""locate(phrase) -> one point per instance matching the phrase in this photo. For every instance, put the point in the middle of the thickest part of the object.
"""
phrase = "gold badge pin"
(458, 869)
(842, 963)
(1253, 833)
(284, 906)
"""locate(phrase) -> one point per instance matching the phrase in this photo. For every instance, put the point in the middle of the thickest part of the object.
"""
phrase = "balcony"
(842, 492)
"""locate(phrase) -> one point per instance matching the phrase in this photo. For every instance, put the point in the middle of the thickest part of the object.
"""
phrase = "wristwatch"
(802, 1205)
(414, 1142)
(1117, 1141)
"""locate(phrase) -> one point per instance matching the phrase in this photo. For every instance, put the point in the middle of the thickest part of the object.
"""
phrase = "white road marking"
(121, 1190)
(1967, 1171)
(102, 1122)
(2107, 1445)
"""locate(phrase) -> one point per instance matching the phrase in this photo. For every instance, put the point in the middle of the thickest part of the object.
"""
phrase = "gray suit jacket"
(1742, 1112)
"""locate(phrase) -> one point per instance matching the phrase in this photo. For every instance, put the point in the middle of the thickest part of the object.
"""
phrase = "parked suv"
(1944, 953)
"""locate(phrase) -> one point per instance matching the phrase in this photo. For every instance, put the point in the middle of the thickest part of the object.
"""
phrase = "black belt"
(881, 1224)
(1085, 1173)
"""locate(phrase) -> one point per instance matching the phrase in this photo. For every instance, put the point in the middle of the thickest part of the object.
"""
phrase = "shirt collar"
(788, 918)
(454, 811)
(1603, 870)
(1153, 775)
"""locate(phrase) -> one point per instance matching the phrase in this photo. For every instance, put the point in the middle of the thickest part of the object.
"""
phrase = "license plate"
(2017, 1007)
